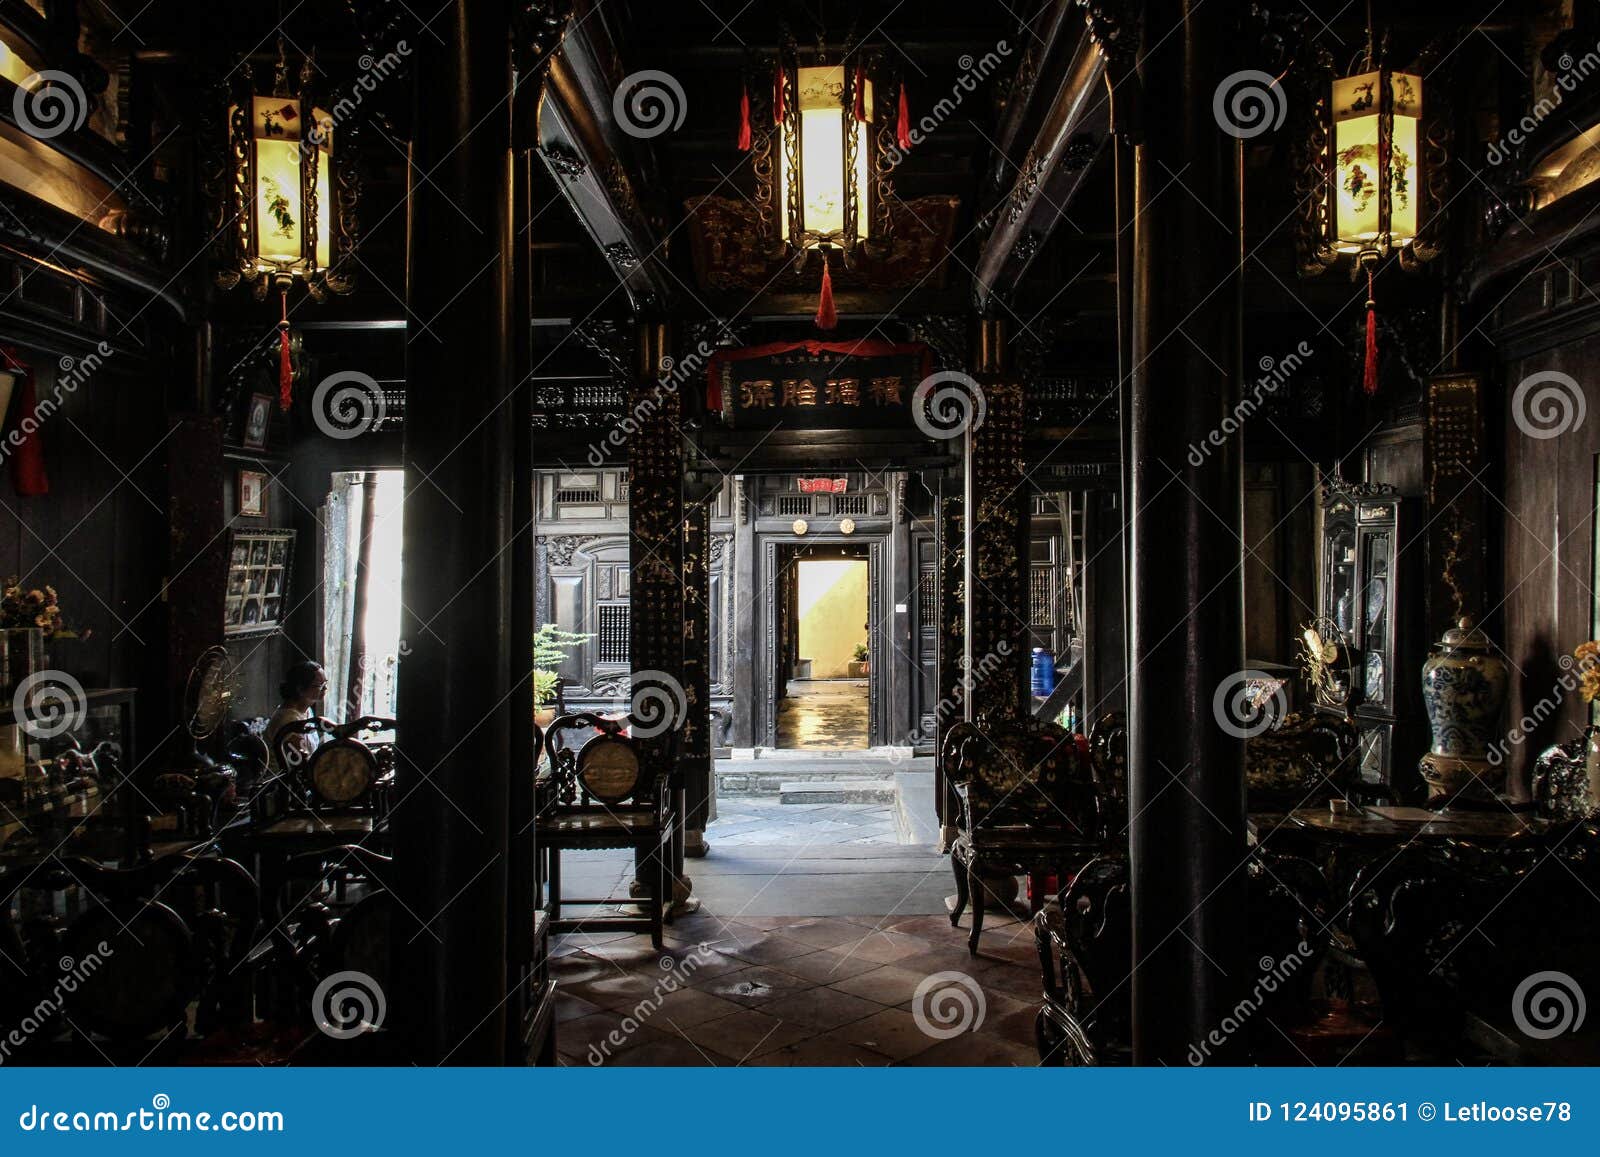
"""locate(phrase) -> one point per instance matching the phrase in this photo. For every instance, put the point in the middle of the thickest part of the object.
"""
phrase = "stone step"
(837, 791)
(749, 778)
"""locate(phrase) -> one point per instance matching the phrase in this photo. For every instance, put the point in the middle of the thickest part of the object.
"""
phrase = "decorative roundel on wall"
(848, 525)
(801, 526)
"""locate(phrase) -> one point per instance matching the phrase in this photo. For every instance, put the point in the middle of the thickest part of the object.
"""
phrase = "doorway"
(825, 705)
(363, 529)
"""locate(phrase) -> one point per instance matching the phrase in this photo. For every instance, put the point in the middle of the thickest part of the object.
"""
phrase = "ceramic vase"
(1464, 687)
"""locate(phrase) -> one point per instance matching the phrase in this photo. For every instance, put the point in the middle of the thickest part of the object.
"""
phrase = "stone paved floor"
(824, 715)
(750, 821)
(796, 990)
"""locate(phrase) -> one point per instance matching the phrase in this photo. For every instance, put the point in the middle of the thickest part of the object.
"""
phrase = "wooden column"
(1187, 589)
(656, 554)
(996, 573)
(450, 816)
(696, 756)
(951, 617)
(746, 676)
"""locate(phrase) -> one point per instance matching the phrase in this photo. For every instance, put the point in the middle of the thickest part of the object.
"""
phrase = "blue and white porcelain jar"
(1464, 687)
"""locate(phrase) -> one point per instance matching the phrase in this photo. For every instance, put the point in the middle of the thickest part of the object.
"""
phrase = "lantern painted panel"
(279, 142)
(1359, 153)
(824, 120)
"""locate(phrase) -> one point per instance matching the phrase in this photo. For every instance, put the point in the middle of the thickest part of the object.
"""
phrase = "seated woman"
(303, 686)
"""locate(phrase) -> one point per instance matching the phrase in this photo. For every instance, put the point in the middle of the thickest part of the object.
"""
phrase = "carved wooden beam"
(1064, 99)
(578, 139)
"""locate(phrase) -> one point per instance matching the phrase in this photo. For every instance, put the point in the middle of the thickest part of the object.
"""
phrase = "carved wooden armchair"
(609, 792)
(117, 963)
(1305, 761)
(1027, 805)
(1085, 942)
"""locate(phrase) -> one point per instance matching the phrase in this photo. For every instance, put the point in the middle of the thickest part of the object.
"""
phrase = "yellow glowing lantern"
(288, 167)
(824, 159)
(1375, 138)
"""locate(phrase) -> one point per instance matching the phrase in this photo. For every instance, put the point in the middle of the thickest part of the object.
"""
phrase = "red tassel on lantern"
(1369, 369)
(777, 95)
(744, 119)
(860, 109)
(902, 129)
(285, 364)
(827, 316)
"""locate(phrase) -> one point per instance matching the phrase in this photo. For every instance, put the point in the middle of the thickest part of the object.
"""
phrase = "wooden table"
(1404, 825)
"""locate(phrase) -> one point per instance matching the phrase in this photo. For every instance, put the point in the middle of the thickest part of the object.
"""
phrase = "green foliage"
(861, 653)
(551, 646)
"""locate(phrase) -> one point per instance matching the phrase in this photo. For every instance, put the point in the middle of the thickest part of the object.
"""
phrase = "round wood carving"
(342, 771)
(608, 768)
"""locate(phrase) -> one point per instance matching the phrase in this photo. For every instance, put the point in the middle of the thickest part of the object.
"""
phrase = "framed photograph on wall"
(252, 493)
(257, 595)
(256, 421)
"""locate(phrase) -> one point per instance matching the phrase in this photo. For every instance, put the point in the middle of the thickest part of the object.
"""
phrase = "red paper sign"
(822, 485)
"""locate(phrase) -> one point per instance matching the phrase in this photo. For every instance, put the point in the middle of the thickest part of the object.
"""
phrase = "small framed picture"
(256, 420)
(253, 493)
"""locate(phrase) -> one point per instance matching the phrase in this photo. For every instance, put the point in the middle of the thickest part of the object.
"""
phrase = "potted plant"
(551, 647)
(859, 667)
(29, 617)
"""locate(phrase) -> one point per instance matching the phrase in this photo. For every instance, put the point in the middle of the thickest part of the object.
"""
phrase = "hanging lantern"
(822, 177)
(281, 220)
(1376, 162)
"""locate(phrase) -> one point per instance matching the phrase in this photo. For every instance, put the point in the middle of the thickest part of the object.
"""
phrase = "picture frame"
(252, 493)
(256, 596)
(257, 421)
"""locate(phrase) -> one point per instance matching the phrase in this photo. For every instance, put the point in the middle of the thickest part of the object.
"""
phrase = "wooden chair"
(1085, 942)
(1027, 805)
(110, 963)
(603, 794)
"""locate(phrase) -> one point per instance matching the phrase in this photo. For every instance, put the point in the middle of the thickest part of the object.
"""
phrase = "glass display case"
(1368, 562)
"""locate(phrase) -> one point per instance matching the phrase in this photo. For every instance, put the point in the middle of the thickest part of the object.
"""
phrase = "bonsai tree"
(861, 653)
(551, 648)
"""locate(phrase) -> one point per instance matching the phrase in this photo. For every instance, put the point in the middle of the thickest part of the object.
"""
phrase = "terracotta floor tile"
(892, 1032)
(615, 991)
(772, 948)
(827, 966)
(595, 1040)
(673, 1052)
(823, 1008)
(887, 984)
(974, 1049)
(570, 1007)
(826, 1051)
(885, 947)
(748, 1033)
(824, 932)
(754, 986)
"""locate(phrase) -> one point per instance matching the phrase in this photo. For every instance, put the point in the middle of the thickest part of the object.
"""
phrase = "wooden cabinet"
(1370, 584)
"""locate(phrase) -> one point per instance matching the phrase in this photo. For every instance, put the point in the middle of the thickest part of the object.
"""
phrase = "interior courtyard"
(592, 533)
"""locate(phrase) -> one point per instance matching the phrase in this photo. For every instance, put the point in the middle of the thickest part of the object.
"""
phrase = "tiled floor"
(747, 821)
(824, 715)
(793, 990)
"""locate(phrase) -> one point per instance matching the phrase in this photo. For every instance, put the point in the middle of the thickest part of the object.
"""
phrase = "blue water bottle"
(1044, 673)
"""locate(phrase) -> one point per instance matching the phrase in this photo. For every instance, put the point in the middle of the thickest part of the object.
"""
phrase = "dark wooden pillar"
(656, 559)
(1187, 589)
(696, 757)
(450, 819)
(1000, 498)
(952, 615)
(746, 676)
